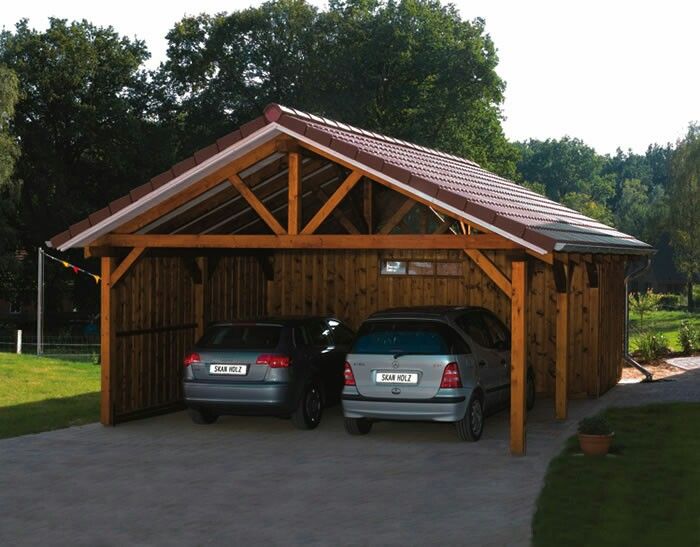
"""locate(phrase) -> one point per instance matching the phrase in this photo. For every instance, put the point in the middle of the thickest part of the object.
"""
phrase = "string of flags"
(76, 269)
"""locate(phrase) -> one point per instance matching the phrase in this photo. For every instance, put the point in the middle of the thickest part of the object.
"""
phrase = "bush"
(688, 337)
(652, 345)
(595, 425)
(670, 301)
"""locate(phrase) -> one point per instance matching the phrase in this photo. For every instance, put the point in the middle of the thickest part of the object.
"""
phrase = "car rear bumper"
(442, 408)
(238, 398)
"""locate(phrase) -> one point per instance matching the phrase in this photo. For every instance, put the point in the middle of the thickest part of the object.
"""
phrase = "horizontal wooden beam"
(413, 241)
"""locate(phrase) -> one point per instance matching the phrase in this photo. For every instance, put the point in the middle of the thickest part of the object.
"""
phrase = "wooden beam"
(294, 211)
(256, 204)
(444, 226)
(367, 205)
(490, 269)
(199, 292)
(547, 259)
(562, 356)
(518, 357)
(194, 190)
(126, 264)
(397, 216)
(330, 205)
(106, 341)
(339, 214)
(592, 273)
(314, 241)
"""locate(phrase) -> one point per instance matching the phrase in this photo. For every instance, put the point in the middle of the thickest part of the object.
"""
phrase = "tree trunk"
(691, 303)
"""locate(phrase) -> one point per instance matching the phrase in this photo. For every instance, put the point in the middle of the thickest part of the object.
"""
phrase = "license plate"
(397, 377)
(234, 370)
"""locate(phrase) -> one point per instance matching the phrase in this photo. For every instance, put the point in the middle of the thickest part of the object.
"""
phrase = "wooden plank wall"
(611, 326)
(235, 290)
(153, 330)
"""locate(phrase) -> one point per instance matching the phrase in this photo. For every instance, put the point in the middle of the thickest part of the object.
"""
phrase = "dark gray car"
(443, 364)
(290, 367)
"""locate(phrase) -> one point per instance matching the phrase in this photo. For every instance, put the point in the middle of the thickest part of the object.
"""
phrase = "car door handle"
(482, 363)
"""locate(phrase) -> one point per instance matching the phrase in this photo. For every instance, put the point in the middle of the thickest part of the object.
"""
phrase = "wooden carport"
(297, 214)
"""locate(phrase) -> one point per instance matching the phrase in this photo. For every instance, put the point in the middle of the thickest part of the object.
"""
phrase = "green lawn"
(40, 394)
(647, 493)
(666, 321)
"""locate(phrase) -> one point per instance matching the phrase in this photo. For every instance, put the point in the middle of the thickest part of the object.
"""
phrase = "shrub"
(644, 302)
(652, 345)
(688, 337)
(670, 301)
(595, 425)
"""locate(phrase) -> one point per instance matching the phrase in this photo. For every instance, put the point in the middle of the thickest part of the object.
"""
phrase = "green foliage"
(652, 345)
(643, 303)
(583, 203)
(689, 337)
(684, 220)
(670, 301)
(595, 425)
(412, 69)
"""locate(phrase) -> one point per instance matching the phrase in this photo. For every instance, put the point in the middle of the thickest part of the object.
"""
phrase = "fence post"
(19, 341)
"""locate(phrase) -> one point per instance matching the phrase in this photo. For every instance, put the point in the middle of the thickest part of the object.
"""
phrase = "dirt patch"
(660, 369)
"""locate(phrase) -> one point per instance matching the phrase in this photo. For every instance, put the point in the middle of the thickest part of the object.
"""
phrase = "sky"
(613, 73)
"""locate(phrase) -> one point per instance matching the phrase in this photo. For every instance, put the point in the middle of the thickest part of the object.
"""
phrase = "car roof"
(284, 320)
(422, 311)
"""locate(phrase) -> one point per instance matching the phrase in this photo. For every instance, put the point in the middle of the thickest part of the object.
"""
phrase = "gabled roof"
(454, 184)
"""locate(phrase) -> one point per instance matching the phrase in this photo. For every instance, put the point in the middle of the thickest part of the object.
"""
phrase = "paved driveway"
(249, 481)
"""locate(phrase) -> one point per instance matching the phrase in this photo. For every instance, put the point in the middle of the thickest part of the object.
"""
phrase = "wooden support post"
(199, 288)
(294, 211)
(562, 281)
(518, 357)
(106, 341)
(562, 359)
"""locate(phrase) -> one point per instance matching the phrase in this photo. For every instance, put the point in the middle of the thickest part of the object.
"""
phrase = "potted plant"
(595, 436)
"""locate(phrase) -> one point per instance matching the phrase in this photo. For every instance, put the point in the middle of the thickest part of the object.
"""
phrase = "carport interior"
(296, 214)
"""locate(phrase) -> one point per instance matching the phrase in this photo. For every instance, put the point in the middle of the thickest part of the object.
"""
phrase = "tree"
(80, 119)
(684, 220)
(9, 185)
(434, 82)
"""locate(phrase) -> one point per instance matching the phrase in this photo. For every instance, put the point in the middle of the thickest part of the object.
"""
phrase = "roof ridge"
(273, 111)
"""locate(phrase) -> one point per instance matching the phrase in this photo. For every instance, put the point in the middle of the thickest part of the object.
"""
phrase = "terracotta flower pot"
(595, 445)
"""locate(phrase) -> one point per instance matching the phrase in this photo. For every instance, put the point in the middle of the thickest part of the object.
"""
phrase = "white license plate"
(235, 370)
(397, 377)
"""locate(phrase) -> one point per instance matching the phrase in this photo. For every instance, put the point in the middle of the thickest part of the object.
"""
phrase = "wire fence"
(75, 348)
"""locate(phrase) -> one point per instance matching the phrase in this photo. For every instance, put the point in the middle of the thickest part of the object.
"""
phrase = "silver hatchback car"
(442, 364)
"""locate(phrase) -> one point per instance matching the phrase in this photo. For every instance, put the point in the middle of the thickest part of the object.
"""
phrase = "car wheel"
(201, 416)
(358, 426)
(310, 408)
(471, 426)
(530, 390)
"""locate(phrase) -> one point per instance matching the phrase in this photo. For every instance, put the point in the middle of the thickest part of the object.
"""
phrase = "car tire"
(530, 390)
(308, 412)
(358, 426)
(201, 416)
(471, 426)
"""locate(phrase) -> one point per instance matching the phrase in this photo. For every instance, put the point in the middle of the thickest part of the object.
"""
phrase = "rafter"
(398, 216)
(256, 204)
(330, 205)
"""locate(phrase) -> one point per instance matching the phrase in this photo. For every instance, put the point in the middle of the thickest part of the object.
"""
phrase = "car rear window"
(258, 337)
(410, 337)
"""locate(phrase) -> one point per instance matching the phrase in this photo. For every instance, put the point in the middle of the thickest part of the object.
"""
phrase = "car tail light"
(273, 361)
(349, 376)
(190, 358)
(450, 377)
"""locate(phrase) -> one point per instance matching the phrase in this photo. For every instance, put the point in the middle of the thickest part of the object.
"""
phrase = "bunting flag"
(76, 269)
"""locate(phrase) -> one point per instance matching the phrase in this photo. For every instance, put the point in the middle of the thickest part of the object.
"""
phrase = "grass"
(666, 321)
(40, 394)
(646, 493)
